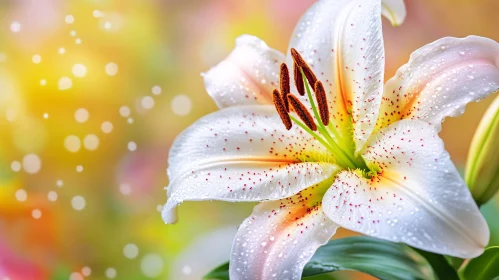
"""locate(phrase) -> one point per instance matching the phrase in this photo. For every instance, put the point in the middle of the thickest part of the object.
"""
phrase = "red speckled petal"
(280, 237)
(247, 76)
(440, 79)
(418, 199)
(243, 153)
(342, 41)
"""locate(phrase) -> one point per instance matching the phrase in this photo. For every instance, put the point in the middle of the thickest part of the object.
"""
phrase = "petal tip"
(169, 215)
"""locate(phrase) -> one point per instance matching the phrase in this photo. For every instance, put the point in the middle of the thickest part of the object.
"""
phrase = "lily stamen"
(300, 87)
(281, 109)
(320, 95)
(344, 158)
(298, 59)
(304, 76)
(302, 112)
(285, 85)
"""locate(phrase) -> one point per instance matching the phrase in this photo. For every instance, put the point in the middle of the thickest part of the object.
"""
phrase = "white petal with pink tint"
(247, 76)
(419, 197)
(243, 153)
(440, 79)
(394, 11)
(342, 41)
(278, 239)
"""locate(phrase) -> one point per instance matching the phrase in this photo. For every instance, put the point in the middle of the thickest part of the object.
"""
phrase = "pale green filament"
(342, 161)
(338, 152)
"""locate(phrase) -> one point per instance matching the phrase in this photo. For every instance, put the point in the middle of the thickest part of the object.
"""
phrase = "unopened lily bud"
(482, 167)
(394, 11)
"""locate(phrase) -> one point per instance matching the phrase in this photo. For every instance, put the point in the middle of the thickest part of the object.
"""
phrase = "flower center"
(320, 128)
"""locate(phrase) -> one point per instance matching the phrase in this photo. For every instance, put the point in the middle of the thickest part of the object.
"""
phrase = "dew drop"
(79, 70)
(97, 14)
(132, 146)
(69, 19)
(15, 166)
(32, 163)
(81, 115)
(36, 59)
(65, 83)
(78, 203)
(111, 273)
(52, 196)
(75, 276)
(21, 195)
(156, 90)
(36, 214)
(107, 127)
(91, 142)
(151, 265)
(86, 271)
(111, 69)
(131, 251)
(147, 102)
(72, 143)
(15, 26)
(181, 105)
(124, 111)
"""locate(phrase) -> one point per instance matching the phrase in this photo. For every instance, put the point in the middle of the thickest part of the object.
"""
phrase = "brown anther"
(298, 59)
(320, 95)
(302, 112)
(285, 87)
(300, 87)
(281, 109)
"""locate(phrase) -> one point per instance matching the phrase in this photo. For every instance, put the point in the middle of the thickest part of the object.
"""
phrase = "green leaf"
(379, 258)
(219, 273)
(441, 266)
(490, 212)
(484, 267)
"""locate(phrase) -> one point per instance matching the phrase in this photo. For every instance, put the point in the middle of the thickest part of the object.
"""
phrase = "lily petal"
(440, 79)
(247, 76)
(342, 41)
(418, 198)
(394, 11)
(279, 238)
(242, 153)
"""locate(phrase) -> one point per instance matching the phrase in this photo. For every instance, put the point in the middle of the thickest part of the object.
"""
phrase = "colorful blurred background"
(92, 94)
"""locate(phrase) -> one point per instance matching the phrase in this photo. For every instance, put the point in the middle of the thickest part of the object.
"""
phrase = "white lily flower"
(360, 155)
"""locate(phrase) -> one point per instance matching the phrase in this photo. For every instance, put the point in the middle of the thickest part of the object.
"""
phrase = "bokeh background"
(92, 94)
